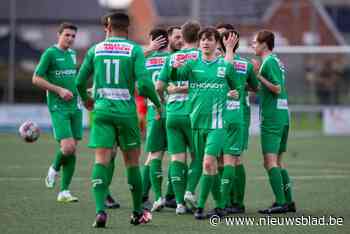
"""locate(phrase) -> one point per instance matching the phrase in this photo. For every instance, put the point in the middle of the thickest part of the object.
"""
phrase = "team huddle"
(197, 89)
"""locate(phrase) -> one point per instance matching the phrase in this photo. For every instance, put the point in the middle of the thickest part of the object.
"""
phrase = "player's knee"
(68, 148)
(237, 161)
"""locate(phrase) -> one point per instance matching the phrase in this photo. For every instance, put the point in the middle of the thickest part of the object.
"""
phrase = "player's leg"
(270, 142)
(213, 146)
(130, 143)
(110, 202)
(177, 150)
(59, 121)
(68, 146)
(234, 147)
(195, 169)
(238, 186)
(287, 183)
(146, 184)
(102, 138)
(156, 145)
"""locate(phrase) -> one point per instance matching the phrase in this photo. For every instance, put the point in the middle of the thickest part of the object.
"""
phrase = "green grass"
(320, 167)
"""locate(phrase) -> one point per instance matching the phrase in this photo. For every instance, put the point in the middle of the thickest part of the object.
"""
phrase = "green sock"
(58, 161)
(110, 171)
(194, 175)
(287, 185)
(240, 180)
(99, 187)
(226, 184)
(178, 170)
(156, 177)
(205, 187)
(146, 184)
(68, 168)
(277, 185)
(135, 185)
(215, 191)
(169, 191)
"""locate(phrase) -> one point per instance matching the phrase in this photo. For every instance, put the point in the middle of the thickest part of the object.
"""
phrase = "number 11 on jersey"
(109, 65)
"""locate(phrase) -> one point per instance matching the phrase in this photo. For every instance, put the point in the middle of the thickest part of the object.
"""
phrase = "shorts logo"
(221, 72)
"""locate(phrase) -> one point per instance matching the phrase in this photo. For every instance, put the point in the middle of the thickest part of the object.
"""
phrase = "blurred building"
(295, 22)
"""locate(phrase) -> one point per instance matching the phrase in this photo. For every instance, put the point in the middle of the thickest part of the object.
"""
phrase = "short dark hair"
(225, 25)
(172, 28)
(156, 32)
(209, 32)
(190, 31)
(225, 35)
(67, 25)
(119, 20)
(268, 37)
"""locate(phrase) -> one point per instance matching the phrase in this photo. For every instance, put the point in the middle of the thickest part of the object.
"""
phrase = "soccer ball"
(29, 131)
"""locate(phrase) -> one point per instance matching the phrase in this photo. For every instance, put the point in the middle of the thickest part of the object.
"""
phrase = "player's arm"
(172, 88)
(253, 83)
(233, 83)
(144, 85)
(39, 80)
(162, 81)
(271, 82)
(81, 81)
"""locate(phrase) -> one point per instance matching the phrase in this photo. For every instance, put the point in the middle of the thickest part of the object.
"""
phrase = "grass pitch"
(319, 167)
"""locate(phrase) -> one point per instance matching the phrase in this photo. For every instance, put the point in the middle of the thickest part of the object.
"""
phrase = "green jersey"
(245, 74)
(154, 64)
(209, 83)
(178, 102)
(116, 64)
(273, 107)
(59, 67)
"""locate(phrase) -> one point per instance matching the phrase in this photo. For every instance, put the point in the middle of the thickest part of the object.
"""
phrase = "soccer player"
(156, 143)
(116, 64)
(237, 129)
(175, 44)
(211, 79)
(178, 123)
(274, 121)
(56, 73)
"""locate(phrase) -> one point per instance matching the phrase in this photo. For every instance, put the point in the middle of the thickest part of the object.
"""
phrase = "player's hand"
(233, 94)
(256, 65)
(230, 42)
(89, 104)
(157, 43)
(65, 94)
(172, 88)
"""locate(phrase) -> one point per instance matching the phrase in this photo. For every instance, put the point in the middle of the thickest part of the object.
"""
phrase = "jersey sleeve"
(164, 73)
(252, 79)
(86, 69)
(43, 65)
(178, 74)
(271, 71)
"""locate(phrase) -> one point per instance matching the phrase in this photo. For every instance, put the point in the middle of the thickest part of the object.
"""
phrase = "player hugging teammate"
(198, 106)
